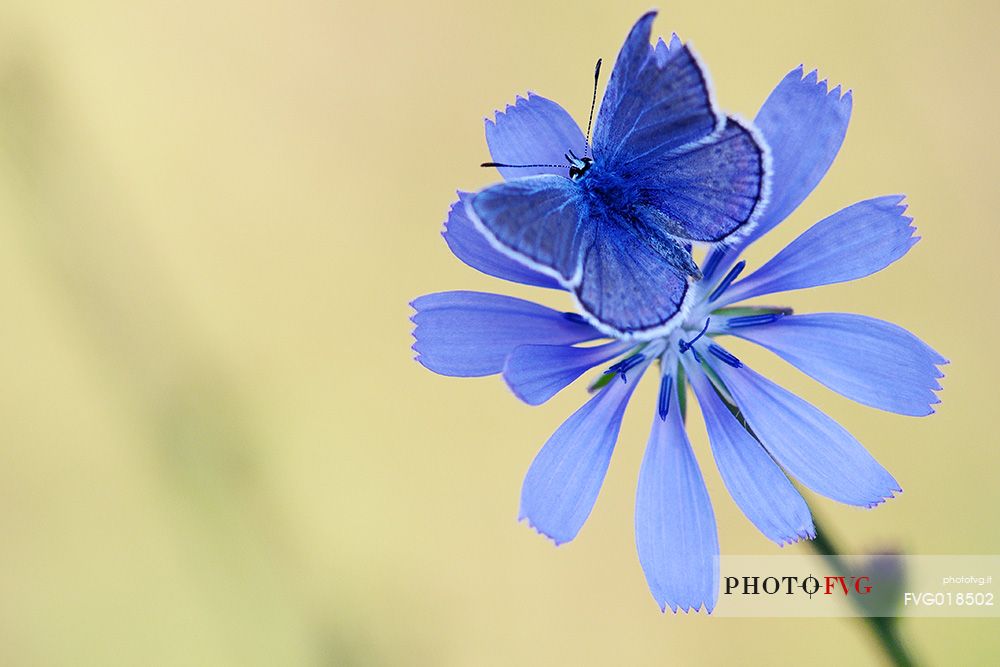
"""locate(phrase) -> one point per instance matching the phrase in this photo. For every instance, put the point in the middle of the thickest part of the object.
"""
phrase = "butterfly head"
(578, 166)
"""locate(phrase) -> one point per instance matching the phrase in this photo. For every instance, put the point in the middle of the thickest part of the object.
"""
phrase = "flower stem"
(885, 629)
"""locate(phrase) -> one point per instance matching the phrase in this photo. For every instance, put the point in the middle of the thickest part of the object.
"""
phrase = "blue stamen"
(712, 262)
(614, 368)
(628, 364)
(725, 356)
(728, 280)
(625, 365)
(666, 384)
(575, 317)
(753, 320)
(686, 345)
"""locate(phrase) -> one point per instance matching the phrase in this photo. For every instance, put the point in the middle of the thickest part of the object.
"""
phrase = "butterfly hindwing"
(708, 191)
(630, 284)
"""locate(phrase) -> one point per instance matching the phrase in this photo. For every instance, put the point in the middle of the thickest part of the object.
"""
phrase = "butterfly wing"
(541, 221)
(629, 284)
(698, 176)
(701, 176)
(708, 191)
(628, 277)
(656, 100)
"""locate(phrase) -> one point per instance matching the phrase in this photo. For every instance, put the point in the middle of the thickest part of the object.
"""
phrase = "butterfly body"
(619, 206)
(616, 227)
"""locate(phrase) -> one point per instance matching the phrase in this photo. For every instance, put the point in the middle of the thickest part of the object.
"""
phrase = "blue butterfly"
(667, 170)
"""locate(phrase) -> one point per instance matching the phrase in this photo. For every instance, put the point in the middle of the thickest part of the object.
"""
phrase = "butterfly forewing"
(656, 101)
(540, 220)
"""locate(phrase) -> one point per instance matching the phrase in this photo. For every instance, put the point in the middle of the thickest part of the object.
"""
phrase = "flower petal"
(564, 479)
(805, 442)
(754, 480)
(535, 130)
(675, 531)
(852, 243)
(804, 126)
(536, 373)
(663, 50)
(471, 333)
(867, 360)
(470, 246)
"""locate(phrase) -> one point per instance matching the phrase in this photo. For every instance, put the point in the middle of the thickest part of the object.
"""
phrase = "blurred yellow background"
(215, 448)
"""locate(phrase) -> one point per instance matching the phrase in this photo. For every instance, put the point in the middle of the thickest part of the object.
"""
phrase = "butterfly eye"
(579, 167)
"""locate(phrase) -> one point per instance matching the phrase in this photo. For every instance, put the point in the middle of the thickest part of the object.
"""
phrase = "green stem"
(885, 629)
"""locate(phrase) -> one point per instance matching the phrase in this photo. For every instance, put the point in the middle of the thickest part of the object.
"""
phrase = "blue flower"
(760, 434)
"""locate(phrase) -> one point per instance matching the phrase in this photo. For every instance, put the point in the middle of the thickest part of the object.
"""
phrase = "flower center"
(685, 345)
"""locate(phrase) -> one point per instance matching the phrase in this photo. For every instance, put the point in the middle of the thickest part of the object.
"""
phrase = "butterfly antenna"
(593, 101)
(501, 164)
